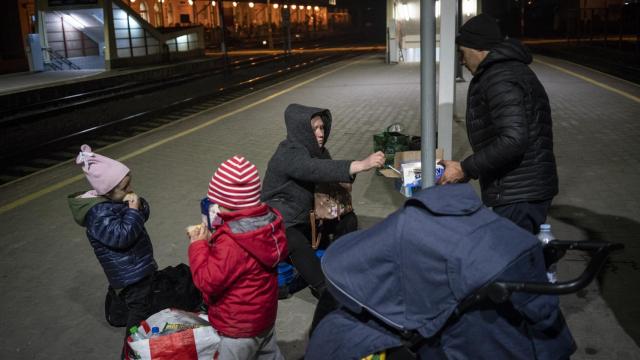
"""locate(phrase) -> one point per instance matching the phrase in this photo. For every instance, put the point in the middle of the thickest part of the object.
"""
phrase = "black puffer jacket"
(118, 237)
(298, 164)
(510, 129)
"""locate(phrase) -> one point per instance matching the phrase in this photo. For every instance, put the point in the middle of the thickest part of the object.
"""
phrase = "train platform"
(53, 307)
(17, 83)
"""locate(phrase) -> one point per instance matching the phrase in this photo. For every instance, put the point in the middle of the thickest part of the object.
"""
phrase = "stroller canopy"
(413, 269)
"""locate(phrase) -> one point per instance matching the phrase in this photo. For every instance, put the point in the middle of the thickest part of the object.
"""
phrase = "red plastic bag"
(183, 336)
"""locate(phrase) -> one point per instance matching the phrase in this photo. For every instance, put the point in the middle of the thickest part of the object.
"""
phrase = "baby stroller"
(446, 278)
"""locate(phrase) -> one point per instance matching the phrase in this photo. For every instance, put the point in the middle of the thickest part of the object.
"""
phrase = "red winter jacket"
(237, 274)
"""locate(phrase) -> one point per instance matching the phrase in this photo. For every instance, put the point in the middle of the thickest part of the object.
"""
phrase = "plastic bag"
(183, 336)
(390, 142)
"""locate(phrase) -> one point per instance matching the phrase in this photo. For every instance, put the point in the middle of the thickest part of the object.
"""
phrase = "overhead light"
(234, 4)
(213, 3)
(251, 4)
(308, 7)
(286, 6)
(469, 8)
(293, 6)
(190, 2)
(316, 8)
(403, 10)
(275, 6)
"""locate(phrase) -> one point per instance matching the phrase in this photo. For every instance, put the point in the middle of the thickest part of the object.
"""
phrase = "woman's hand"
(198, 232)
(375, 160)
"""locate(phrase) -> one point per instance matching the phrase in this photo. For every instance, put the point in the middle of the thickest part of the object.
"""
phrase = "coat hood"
(508, 50)
(256, 230)
(80, 204)
(439, 243)
(297, 119)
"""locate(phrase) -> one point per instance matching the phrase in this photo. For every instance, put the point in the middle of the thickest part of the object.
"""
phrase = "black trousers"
(137, 297)
(527, 215)
(305, 261)
(302, 254)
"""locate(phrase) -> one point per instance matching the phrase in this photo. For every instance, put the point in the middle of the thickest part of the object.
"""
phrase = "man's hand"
(132, 200)
(453, 173)
(198, 232)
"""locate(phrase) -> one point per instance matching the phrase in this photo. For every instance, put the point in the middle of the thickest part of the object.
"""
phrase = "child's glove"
(198, 232)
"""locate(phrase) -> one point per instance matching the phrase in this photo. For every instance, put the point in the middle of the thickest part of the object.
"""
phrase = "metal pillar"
(446, 78)
(223, 45)
(459, 75)
(286, 22)
(110, 52)
(392, 36)
(428, 89)
(269, 31)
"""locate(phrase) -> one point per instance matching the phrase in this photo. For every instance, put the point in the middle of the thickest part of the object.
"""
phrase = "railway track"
(237, 79)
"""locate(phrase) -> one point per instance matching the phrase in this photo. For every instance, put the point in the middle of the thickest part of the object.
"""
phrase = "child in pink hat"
(114, 218)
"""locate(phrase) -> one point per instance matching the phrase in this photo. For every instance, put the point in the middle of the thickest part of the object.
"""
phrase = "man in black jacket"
(509, 127)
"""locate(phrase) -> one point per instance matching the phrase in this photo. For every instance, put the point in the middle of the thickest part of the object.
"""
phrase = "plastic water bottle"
(545, 236)
(135, 336)
(155, 331)
(438, 173)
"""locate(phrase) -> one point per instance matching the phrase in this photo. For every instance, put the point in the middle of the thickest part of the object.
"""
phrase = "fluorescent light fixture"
(469, 8)
(403, 11)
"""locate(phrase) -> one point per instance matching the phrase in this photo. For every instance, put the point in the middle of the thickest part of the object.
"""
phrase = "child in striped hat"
(235, 268)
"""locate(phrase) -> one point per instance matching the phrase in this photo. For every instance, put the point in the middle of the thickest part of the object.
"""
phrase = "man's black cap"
(480, 32)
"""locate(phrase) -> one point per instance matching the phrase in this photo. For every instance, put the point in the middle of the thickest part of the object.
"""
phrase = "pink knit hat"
(235, 184)
(102, 172)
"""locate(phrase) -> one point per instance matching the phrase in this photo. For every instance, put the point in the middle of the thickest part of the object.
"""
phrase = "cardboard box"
(407, 170)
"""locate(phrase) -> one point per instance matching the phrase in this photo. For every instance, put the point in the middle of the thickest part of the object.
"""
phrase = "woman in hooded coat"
(300, 162)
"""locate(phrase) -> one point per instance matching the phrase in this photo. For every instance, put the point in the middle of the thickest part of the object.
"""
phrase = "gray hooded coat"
(298, 164)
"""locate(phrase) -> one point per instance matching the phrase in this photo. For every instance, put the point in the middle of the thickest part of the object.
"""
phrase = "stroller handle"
(500, 291)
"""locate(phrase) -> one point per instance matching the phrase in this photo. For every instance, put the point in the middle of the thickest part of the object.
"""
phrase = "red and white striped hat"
(235, 184)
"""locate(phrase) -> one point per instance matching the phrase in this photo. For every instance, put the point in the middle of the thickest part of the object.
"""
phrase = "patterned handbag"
(332, 200)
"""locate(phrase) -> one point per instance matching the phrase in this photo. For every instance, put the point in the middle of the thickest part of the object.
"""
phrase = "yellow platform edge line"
(591, 81)
(35, 195)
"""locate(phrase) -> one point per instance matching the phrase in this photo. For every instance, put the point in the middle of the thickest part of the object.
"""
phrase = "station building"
(107, 34)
